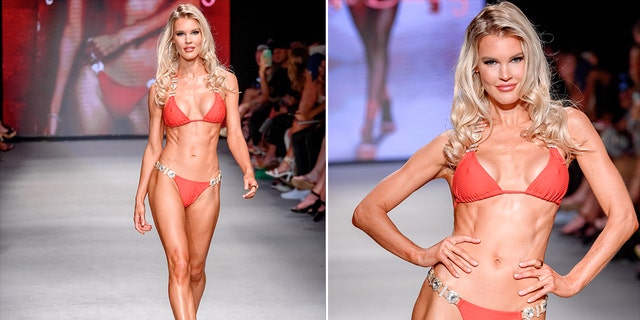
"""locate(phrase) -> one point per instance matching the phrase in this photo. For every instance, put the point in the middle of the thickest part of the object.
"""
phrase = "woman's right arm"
(371, 214)
(149, 158)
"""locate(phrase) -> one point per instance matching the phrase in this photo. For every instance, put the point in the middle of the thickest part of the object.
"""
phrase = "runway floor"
(68, 249)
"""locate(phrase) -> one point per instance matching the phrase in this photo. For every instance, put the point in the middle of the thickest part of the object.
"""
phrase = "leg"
(201, 220)
(320, 162)
(308, 180)
(374, 27)
(306, 146)
(171, 223)
(258, 117)
(319, 188)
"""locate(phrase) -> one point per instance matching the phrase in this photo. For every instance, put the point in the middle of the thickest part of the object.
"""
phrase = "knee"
(197, 273)
(179, 269)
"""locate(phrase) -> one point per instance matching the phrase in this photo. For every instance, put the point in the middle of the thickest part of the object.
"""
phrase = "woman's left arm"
(235, 139)
(610, 191)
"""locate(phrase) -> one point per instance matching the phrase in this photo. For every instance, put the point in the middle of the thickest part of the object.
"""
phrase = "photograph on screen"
(391, 74)
(93, 63)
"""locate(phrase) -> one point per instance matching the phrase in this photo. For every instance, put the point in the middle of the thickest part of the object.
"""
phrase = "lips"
(189, 49)
(506, 87)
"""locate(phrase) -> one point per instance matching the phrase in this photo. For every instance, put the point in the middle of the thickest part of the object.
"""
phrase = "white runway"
(68, 249)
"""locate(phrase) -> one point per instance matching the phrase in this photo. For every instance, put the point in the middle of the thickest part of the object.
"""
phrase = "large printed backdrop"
(49, 71)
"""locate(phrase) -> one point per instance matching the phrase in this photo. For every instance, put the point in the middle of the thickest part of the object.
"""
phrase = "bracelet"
(54, 115)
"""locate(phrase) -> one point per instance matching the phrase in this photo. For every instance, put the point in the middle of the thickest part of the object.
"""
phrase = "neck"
(191, 69)
(510, 117)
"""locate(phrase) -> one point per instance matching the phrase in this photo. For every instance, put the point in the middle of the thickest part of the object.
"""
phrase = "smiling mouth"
(506, 87)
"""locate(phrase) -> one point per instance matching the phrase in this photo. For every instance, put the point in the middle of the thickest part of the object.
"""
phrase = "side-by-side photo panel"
(483, 160)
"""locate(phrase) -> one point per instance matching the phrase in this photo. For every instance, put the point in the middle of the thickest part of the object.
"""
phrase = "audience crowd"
(612, 100)
(283, 119)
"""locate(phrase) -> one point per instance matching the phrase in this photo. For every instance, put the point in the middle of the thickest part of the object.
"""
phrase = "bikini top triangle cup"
(472, 183)
(174, 117)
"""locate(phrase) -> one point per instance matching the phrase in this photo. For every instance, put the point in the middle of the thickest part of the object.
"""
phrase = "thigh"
(201, 219)
(168, 216)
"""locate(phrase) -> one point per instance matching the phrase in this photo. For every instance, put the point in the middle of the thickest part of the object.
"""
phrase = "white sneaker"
(295, 194)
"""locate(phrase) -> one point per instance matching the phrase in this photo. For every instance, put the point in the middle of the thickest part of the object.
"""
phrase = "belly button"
(497, 261)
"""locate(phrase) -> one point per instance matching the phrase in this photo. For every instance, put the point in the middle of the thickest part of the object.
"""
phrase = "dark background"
(601, 26)
(253, 22)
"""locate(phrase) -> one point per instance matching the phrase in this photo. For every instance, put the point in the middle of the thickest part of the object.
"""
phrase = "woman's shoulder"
(579, 124)
(227, 74)
(576, 117)
(230, 79)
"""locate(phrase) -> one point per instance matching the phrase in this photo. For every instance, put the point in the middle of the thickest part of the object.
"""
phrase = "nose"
(505, 73)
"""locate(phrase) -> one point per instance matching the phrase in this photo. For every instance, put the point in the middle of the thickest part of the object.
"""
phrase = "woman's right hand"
(453, 257)
(139, 219)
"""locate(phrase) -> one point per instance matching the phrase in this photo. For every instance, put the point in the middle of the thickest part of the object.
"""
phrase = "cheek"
(518, 72)
(487, 77)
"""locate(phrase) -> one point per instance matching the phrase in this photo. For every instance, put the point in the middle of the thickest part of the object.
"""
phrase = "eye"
(179, 33)
(517, 59)
(195, 33)
(489, 62)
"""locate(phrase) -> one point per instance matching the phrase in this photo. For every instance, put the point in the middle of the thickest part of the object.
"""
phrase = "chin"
(506, 100)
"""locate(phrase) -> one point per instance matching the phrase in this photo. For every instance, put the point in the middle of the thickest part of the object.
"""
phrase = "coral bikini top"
(174, 117)
(472, 183)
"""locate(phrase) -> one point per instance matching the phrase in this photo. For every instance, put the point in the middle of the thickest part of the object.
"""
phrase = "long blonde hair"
(168, 56)
(471, 106)
(297, 66)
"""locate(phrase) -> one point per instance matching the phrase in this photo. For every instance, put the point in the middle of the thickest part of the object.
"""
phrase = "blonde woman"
(505, 159)
(192, 97)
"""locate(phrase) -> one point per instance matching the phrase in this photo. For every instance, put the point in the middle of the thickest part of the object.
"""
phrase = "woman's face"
(501, 68)
(187, 38)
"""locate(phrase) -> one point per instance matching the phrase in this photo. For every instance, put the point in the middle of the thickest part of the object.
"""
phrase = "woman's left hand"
(252, 186)
(548, 279)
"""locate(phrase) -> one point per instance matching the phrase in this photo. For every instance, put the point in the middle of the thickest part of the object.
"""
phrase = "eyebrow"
(180, 30)
(517, 55)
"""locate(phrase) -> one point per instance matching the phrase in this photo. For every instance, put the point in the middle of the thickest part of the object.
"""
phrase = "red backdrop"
(31, 39)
